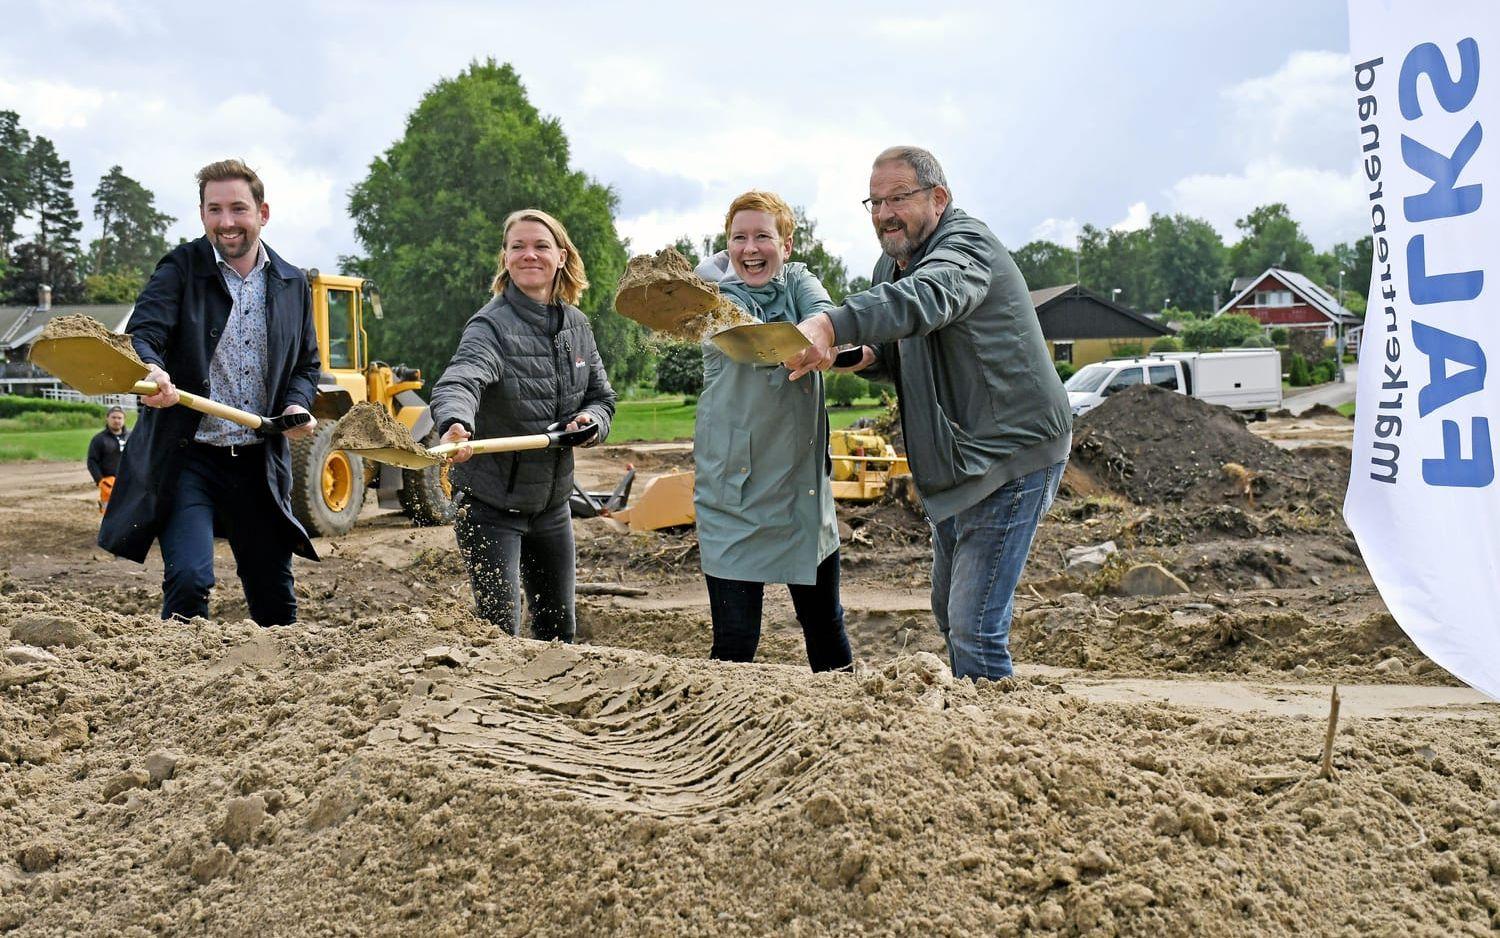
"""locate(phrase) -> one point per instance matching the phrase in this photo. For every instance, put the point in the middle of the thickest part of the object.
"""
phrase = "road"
(1332, 394)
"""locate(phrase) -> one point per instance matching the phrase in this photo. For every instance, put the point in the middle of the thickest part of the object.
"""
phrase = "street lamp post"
(1338, 328)
(1115, 293)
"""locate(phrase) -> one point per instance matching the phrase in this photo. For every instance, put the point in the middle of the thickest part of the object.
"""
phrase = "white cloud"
(1325, 202)
(913, 28)
(1136, 217)
(1062, 231)
(618, 81)
(49, 106)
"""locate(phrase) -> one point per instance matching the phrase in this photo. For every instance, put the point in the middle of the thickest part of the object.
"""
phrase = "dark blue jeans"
(735, 606)
(508, 552)
(227, 490)
(977, 558)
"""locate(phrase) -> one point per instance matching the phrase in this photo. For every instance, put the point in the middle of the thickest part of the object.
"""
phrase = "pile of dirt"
(1156, 447)
(86, 327)
(660, 291)
(369, 426)
(410, 775)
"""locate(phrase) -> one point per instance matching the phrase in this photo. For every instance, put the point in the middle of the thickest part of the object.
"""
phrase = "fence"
(127, 401)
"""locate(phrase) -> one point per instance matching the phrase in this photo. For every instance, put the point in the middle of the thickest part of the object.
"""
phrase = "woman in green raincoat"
(760, 447)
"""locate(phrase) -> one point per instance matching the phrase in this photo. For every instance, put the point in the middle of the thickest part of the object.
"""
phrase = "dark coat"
(519, 367)
(176, 325)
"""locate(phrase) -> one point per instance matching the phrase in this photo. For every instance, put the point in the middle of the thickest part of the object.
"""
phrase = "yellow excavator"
(329, 485)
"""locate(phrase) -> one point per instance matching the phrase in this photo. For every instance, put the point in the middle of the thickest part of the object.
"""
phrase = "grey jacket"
(519, 367)
(762, 499)
(981, 403)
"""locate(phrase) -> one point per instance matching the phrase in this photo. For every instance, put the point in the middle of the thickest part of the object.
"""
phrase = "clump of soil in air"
(1156, 447)
(660, 291)
(86, 327)
(369, 426)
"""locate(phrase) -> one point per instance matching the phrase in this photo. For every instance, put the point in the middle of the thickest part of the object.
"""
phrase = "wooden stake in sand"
(1333, 727)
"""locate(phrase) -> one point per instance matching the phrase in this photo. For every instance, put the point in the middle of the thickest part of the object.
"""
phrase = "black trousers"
(226, 488)
(736, 605)
(506, 553)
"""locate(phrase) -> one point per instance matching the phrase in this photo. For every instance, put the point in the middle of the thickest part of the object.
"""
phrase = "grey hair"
(923, 163)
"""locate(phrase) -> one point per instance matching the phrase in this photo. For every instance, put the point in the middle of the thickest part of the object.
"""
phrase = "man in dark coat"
(104, 453)
(226, 318)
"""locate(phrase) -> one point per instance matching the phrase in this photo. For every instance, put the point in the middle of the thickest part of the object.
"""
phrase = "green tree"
(859, 285)
(429, 214)
(1118, 260)
(1272, 238)
(679, 370)
(51, 257)
(1300, 375)
(844, 388)
(1046, 264)
(1167, 343)
(1226, 331)
(15, 176)
(687, 249)
(134, 232)
(1187, 262)
(115, 286)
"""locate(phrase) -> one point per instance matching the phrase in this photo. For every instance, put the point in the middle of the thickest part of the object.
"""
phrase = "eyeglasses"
(872, 205)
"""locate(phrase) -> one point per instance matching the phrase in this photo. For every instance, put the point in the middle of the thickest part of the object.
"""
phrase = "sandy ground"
(391, 766)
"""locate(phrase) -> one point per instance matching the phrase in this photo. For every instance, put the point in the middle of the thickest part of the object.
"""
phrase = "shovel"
(93, 365)
(423, 457)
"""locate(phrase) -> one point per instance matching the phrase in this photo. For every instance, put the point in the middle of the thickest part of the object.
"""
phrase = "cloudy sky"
(1046, 116)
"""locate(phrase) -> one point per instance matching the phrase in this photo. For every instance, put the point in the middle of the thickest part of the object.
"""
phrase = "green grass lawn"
(1347, 409)
(671, 419)
(64, 445)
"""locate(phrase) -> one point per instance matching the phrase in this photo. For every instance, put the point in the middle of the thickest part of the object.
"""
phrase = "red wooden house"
(1286, 298)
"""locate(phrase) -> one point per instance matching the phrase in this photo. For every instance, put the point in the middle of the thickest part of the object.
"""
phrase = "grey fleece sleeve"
(475, 366)
(946, 286)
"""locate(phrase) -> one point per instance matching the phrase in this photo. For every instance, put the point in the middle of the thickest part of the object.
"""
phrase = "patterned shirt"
(237, 374)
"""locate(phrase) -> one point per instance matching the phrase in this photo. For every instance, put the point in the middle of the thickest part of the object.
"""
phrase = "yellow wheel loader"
(329, 486)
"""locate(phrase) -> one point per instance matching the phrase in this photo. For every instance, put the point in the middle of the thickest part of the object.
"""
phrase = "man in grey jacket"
(986, 420)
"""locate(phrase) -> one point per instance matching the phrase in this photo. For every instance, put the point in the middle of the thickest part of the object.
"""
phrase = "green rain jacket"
(760, 447)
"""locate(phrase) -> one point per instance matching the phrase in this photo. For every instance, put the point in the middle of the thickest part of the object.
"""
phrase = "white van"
(1242, 379)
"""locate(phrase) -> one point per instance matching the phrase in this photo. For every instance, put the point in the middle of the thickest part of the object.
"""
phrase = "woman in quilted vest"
(526, 361)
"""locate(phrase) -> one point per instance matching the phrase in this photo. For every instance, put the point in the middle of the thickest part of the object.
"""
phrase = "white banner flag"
(1423, 501)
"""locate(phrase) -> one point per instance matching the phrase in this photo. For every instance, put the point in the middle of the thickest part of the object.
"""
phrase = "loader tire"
(426, 496)
(328, 484)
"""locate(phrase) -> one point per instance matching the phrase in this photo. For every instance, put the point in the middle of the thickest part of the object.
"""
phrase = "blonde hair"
(570, 282)
(758, 200)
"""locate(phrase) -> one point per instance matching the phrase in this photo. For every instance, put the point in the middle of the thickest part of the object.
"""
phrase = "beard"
(902, 243)
(234, 250)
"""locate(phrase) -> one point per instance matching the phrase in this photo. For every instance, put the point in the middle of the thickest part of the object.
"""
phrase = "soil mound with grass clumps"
(1158, 447)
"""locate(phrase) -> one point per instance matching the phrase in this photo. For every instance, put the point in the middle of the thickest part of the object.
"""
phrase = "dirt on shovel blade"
(661, 291)
(86, 327)
(369, 426)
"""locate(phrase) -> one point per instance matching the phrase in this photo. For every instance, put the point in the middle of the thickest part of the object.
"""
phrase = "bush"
(33, 421)
(844, 388)
(1226, 331)
(1256, 341)
(1129, 350)
(1065, 370)
(12, 405)
(1167, 343)
(1324, 371)
(680, 369)
(1300, 377)
(1309, 344)
(1278, 335)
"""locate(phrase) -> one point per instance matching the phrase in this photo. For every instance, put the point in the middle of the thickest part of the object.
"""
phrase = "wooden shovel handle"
(504, 444)
(205, 406)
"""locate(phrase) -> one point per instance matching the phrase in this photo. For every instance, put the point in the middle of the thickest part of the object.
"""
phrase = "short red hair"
(757, 200)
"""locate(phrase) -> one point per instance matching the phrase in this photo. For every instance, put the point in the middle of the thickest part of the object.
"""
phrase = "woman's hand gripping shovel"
(92, 360)
(368, 430)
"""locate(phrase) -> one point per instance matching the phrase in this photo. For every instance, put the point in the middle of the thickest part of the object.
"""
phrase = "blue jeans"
(227, 491)
(977, 557)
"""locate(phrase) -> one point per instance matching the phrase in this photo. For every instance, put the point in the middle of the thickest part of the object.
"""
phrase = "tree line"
(36, 191)
(1180, 264)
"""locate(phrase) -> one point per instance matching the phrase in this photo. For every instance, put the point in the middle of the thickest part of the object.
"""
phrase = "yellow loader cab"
(329, 485)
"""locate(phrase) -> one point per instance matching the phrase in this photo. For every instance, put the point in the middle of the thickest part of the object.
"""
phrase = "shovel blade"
(88, 365)
(761, 343)
(392, 456)
(665, 307)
